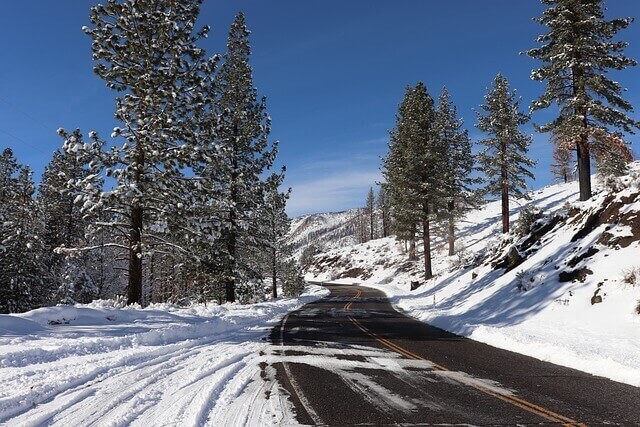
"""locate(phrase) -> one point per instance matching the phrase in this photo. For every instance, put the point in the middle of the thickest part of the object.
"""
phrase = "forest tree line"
(183, 203)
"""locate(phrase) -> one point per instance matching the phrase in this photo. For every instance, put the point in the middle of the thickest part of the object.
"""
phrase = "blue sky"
(334, 72)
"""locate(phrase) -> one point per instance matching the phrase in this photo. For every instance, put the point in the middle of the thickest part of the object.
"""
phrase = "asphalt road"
(351, 358)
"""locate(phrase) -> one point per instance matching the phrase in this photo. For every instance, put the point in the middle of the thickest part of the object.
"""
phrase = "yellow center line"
(513, 400)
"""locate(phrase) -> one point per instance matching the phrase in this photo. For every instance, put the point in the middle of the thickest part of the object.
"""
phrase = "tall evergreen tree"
(243, 137)
(395, 170)
(146, 51)
(22, 267)
(383, 205)
(276, 226)
(578, 51)
(65, 225)
(415, 166)
(459, 194)
(370, 210)
(504, 157)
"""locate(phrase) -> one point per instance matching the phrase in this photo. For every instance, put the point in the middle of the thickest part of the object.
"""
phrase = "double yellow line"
(513, 400)
(347, 306)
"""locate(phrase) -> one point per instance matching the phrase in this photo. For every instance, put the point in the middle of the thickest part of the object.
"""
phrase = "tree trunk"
(384, 222)
(274, 280)
(412, 244)
(134, 287)
(371, 224)
(582, 146)
(426, 239)
(230, 285)
(584, 170)
(505, 207)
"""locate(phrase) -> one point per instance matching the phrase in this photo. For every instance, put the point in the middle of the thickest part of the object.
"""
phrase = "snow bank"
(566, 302)
(198, 365)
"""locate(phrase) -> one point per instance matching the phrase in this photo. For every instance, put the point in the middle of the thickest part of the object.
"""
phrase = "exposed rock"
(538, 232)
(587, 254)
(511, 261)
(355, 273)
(573, 275)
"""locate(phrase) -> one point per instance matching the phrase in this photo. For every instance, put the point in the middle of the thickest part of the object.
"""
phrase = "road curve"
(351, 358)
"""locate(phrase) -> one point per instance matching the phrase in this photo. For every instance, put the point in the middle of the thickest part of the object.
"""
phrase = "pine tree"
(276, 226)
(415, 167)
(146, 51)
(395, 171)
(292, 283)
(612, 156)
(370, 211)
(64, 225)
(578, 51)
(458, 184)
(504, 158)
(243, 138)
(562, 167)
(383, 206)
(22, 267)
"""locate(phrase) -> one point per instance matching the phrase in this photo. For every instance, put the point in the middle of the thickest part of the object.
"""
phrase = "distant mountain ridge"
(327, 231)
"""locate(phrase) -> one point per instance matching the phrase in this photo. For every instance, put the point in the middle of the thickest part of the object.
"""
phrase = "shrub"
(525, 281)
(631, 276)
(527, 218)
(463, 259)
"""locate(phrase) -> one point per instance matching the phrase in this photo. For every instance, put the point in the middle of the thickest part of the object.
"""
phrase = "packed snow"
(590, 323)
(201, 365)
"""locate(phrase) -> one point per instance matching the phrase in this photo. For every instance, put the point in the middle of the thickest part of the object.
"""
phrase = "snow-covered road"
(159, 366)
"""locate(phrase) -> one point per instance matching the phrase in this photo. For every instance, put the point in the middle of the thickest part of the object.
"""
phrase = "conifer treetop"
(578, 51)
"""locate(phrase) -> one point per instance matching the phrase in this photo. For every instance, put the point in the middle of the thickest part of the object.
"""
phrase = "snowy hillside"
(201, 365)
(568, 292)
(325, 230)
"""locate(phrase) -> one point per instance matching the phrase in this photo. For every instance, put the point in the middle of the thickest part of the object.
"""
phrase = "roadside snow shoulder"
(61, 365)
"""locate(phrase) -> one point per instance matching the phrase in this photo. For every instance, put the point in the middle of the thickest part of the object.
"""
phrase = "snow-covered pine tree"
(382, 203)
(292, 282)
(612, 155)
(504, 158)
(22, 261)
(578, 51)
(146, 51)
(243, 134)
(458, 185)
(276, 225)
(64, 227)
(418, 176)
(370, 211)
(395, 169)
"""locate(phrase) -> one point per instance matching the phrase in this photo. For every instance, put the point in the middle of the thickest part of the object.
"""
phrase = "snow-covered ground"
(162, 365)
(592, 325)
